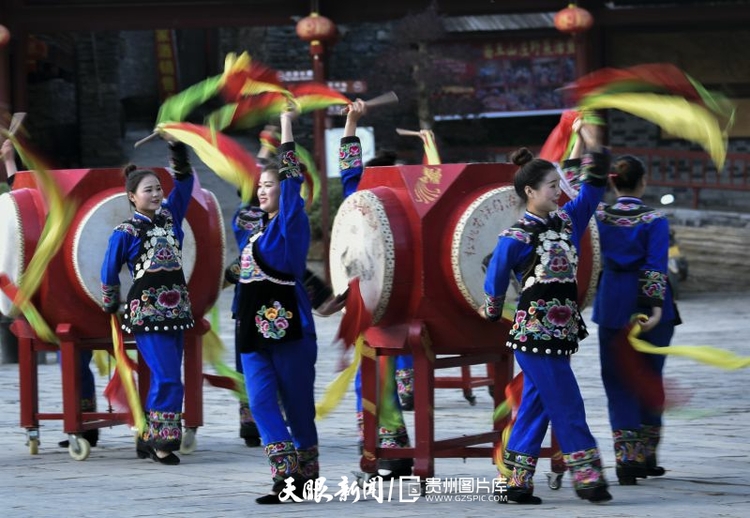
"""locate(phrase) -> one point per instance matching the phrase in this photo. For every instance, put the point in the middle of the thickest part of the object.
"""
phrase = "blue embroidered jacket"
(155, 265)
(284, 241)
(635, 248)
(542, 256)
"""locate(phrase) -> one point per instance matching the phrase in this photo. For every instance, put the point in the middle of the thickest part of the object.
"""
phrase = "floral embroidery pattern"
(493, 306)
(160, 304)
(517, 234)
(523, 467)
(164, 430)
(585, 467)
(160, 251)
(249, 219)
(350, 155)
(289, 164)
(309, 466)
(272, 322)
(629, 447)
(653, 284)
(627, 214)
(283, 459)
(558, 259)
(398, 438)
(110, 295)
(545, 320)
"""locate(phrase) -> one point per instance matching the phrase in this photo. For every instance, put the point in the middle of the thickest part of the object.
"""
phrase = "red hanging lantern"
(316, 28)
(573, 20)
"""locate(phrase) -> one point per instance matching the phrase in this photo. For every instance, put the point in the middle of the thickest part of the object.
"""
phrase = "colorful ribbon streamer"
(701, 353)
(125, 370)
(337, 388)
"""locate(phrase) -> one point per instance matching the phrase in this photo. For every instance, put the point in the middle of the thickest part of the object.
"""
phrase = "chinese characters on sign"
(513, 75)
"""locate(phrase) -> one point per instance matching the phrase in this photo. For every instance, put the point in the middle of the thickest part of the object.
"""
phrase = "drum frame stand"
(75, 421)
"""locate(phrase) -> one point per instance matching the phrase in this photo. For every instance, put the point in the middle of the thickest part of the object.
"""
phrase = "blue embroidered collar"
(534, 217)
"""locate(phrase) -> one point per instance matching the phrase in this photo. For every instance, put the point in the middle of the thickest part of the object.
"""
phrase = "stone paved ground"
(705, 447)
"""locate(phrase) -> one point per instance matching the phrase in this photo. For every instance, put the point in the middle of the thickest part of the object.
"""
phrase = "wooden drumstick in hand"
(380, 100)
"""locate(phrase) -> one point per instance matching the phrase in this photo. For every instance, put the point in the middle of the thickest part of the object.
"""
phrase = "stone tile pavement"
(705, 447)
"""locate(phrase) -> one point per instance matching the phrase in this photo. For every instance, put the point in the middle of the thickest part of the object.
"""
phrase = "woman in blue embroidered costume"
(540, 251)
(158, 307)
(276, 332)
(635, 242)
(392, 431)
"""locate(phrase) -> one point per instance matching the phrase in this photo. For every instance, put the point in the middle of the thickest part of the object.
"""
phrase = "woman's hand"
(652, 321)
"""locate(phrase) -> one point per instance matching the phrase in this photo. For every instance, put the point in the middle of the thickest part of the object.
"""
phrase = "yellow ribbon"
(56, 226)
(702, 353)
(337, 388)
(126, 376)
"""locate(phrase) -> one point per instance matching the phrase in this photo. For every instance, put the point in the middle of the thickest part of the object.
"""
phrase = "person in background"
(634, 241)
(540, 250)
(392, 431)
(158, 309)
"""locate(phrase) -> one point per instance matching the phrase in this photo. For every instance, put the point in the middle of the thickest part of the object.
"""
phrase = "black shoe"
(170, 460)
(272, 498)
(394, 468)
(627, 474)
(598, 494)
(142, 450)
(92, 436)
(249, 432)
(655, 471)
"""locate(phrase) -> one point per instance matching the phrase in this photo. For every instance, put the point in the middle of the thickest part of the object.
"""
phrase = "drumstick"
(146, 139)
(408, 133)
(380, 100)
(15, 122)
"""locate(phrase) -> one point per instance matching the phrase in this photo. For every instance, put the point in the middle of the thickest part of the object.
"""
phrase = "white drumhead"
(362, 246)
(475, 238)
(91, 240)
(11, 245)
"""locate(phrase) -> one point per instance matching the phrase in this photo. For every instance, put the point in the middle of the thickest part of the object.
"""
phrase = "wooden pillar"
(317, 51)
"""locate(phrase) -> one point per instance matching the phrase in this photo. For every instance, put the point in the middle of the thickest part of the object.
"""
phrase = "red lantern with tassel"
(316, 28)
(573, 20)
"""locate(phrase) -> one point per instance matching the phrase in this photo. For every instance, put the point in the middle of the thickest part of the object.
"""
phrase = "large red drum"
(420, 238)
(71, 287)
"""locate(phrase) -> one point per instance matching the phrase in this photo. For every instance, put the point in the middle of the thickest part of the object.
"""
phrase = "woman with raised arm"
(540, 250)
(276, 332)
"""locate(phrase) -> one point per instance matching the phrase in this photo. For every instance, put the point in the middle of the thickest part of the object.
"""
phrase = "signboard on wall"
(511, 77)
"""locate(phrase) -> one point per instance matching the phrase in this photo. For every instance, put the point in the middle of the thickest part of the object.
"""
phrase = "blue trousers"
(550, 393)
(162, 352)
(288, 371)
(623, 371)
